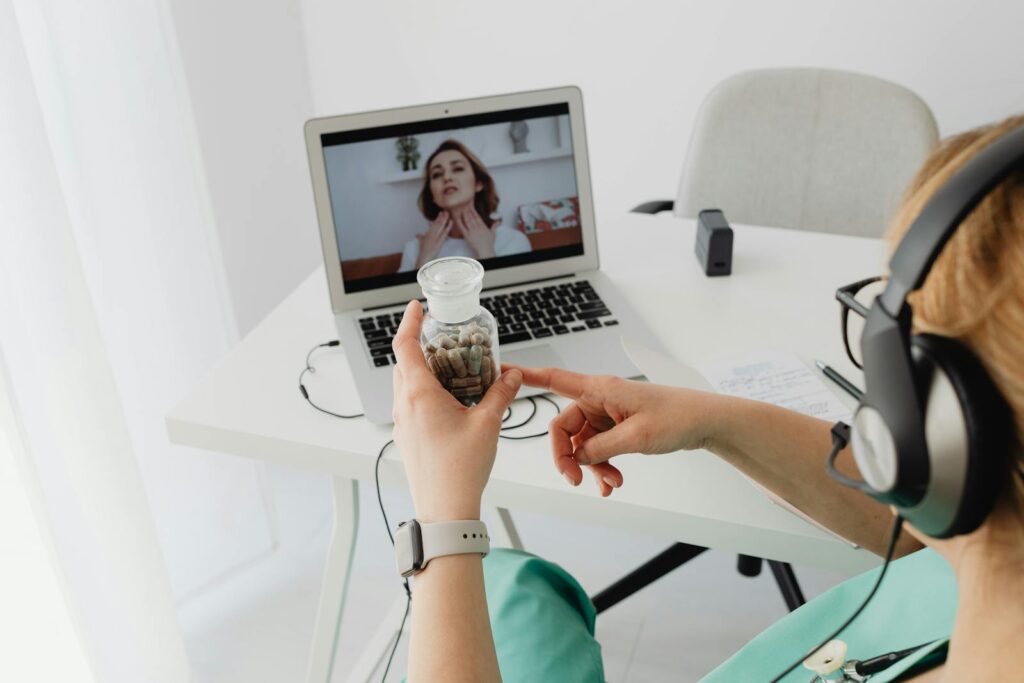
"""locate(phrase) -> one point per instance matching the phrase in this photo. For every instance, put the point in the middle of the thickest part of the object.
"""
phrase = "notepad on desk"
(775, 377)
(771, 376)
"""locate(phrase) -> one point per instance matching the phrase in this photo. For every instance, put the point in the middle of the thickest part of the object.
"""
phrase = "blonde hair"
(975, 291)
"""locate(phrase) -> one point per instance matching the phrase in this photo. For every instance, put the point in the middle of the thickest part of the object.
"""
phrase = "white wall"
(245, 77)
(375, 203)
(644, 66)
(245, 71)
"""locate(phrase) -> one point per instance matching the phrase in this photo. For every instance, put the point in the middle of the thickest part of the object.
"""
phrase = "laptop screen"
(499, 187)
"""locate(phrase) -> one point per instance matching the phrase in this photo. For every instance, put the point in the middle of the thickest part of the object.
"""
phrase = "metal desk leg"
(786, 578)
(505, 534)
(335, 581)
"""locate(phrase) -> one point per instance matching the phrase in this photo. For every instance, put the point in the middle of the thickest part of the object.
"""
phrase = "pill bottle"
(459, 336)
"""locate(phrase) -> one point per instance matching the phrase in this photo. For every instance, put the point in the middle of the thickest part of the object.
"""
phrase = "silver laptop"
(520, 160)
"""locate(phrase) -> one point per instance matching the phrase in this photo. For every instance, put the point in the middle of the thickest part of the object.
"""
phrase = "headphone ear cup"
(988, 433)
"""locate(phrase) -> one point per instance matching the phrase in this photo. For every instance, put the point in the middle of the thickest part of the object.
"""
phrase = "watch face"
(403, 556)
(408, 548)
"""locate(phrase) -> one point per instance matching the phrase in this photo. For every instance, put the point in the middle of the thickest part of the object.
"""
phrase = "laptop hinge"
(397, 303)
(530, 282)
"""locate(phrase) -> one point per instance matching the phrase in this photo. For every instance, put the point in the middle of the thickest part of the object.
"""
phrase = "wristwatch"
(417, 544)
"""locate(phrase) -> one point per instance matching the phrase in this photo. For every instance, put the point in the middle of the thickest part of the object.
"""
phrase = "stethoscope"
(830, 665)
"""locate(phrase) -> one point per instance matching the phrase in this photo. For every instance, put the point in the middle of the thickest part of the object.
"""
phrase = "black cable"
(558, 410)
(841, 437)
(894, 536)
(401, 627)
(405, 581)
(376, 483)
(310, 369)
(522, 438)
(533, 412)
(869, 667)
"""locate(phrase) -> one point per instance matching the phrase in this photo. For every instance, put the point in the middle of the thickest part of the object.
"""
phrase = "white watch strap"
(454, 538)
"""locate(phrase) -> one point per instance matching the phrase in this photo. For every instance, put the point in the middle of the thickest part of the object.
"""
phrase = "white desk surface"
(780, 296)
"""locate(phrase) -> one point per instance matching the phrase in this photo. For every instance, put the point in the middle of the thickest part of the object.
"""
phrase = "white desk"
(780, 296)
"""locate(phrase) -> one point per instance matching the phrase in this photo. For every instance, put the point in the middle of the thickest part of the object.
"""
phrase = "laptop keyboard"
(568, 308)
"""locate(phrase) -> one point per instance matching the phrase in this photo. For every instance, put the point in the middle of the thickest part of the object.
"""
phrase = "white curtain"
(114, 304)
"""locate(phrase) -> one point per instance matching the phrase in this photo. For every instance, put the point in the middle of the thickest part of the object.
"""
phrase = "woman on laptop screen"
(459, 199)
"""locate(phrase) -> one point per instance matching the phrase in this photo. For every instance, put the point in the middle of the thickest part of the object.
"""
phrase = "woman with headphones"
(936, 440)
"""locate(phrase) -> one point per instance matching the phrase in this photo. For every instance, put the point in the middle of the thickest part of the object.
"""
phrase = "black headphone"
(932, 434)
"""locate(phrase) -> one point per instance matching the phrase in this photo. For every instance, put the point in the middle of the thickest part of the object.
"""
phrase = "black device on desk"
(714, 243)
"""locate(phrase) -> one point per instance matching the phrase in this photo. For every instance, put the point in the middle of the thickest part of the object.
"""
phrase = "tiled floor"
(256, 627)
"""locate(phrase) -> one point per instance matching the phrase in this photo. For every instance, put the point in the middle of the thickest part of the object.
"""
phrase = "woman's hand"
(476, 233)
(611, 416)
(432, 240)
(448, 449)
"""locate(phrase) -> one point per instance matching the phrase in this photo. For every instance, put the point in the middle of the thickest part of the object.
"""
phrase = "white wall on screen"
(376, 213)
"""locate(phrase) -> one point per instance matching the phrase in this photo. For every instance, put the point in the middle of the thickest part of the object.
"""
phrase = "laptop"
(520, 161)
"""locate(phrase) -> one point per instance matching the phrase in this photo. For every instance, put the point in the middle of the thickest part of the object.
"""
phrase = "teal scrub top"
(543, 622)
(915, 604)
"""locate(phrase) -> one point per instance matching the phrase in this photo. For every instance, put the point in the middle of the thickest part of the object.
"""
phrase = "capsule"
(458, 365)
(443, 341)
(434, 367)
(487, 371)
(441, 357)
(464, 382)
(476, 355)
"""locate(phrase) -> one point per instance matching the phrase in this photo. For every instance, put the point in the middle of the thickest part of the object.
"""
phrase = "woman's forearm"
(451, 633)
(785, 452)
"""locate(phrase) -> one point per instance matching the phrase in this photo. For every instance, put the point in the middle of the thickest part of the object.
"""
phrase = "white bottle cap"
(452, 286)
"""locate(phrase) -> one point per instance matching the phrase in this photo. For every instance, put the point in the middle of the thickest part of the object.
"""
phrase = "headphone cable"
(894, 536)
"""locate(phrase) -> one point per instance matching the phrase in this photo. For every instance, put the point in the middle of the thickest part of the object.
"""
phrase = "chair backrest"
(812, 149)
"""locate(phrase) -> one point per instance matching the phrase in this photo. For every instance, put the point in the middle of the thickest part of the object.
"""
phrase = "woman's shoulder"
(410, 250)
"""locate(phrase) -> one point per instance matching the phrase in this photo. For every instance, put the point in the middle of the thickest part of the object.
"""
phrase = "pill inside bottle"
(459, 337)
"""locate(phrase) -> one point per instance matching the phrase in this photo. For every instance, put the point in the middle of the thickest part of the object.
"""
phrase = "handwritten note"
(775, 377)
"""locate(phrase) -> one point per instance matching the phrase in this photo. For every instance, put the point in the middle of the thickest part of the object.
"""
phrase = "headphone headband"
(942, 215)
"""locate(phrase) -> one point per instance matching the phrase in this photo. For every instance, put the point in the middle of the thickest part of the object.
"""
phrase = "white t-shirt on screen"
(506, 242)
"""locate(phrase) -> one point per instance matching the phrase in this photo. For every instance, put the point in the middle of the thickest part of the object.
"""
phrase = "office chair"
(810, 149)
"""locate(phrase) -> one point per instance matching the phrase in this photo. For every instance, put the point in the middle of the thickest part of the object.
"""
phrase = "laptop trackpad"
(542, 356)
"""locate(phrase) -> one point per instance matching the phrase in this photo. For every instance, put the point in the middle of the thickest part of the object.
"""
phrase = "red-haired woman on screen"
(460, 200)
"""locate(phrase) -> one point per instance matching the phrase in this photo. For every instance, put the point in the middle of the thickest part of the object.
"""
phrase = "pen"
(845, 384)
